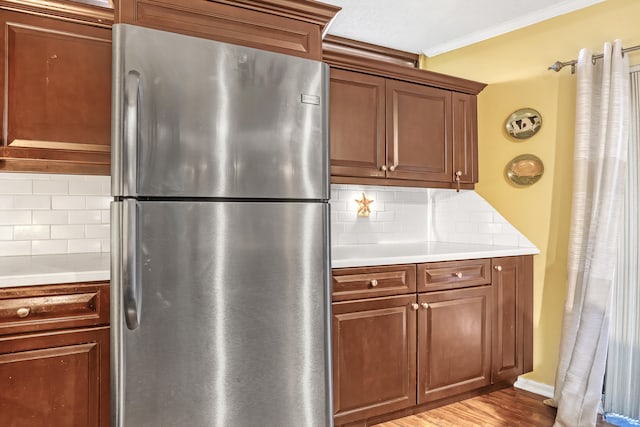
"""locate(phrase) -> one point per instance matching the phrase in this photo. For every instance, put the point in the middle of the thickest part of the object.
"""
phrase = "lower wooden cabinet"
(512, 281)
(468, 326)
(454, 342)
(55, 379)
(374, 346)
(54, 355)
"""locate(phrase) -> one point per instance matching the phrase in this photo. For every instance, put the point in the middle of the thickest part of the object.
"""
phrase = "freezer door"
(227, 321)
(200, 118)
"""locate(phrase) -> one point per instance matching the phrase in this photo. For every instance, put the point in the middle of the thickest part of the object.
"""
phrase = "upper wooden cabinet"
(402, 132)
(293, 27)
(57, 99)
(465, 137)
(393, 124)
(419, 144)
(357, 124)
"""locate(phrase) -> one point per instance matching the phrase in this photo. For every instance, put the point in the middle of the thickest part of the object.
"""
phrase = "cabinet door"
(57, 97)
(357, 124)
(56, 379)
(373, 357)
(465, 137)
(454, 333)
(419, 143)
(512, 280)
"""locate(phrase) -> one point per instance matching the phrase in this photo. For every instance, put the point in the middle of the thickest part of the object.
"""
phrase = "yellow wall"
(514, 65)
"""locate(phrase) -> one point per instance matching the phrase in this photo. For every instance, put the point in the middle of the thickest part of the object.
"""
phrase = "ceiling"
(433, 27)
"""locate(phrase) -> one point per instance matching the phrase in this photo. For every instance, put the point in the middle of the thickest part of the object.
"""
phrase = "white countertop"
(408, 253)
(50, 269)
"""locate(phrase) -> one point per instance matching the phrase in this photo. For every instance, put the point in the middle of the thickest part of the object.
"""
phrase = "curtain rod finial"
(556, 66)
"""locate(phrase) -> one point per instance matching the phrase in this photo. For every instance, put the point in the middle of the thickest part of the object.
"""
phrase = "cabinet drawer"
(51, 307)
(435, 276)
(366, 282)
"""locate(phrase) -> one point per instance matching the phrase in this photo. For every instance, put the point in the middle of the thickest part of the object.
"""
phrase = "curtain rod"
(557, 66)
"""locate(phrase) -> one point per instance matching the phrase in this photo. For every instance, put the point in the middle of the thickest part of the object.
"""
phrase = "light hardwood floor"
(504, 408)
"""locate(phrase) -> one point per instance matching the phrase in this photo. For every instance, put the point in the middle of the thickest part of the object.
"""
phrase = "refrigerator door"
(226, 323)
(200, 118)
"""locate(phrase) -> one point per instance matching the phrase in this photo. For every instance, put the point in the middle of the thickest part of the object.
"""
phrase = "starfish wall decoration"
(363, 206)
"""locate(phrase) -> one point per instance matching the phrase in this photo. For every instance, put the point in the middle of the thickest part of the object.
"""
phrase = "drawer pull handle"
(498, 268)
(425, 305)
(459, 275)
(374, 283)
(415, 306)
(23, 312)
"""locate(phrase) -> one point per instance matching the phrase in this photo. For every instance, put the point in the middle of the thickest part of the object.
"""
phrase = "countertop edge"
(421, 258)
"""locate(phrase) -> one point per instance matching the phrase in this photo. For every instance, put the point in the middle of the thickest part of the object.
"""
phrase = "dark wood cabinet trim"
(367, 51)
(65, 10)
(285, 26)
(397, 182)
(526, 289)
(346, 61)
(311, 11)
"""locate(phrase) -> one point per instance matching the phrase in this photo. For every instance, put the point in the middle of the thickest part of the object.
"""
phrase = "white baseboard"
(542, 389)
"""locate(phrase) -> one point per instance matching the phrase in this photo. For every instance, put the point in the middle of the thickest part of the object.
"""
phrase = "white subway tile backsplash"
(15, 248)
(67, 202)
(67, 232)
(100, 231)
(48, 247)
(32, 202)
(85, 217)
(9, 186)
(53, 214)
(11, 217)
(51, 187)
(6, 202)
(98, 202)
(6, 232)
(85, 187)
(30, 232)
(50, 217)
(417, 215)
(84, 246)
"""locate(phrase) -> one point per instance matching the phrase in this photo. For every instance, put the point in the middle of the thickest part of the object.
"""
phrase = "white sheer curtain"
(622, 388)
(599, 162)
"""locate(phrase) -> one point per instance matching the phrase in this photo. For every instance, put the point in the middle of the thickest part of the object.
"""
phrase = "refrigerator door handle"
(132, 127)
(130, 286)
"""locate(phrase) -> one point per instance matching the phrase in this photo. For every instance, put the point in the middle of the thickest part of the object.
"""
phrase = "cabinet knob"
(383, 168)
(424, 305)
(374, 283)
(498, 268)
(459, 275)
(23, 312)
(392, 168)
(415, 306)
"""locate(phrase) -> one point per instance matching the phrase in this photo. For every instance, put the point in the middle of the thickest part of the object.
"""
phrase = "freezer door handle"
(132, 129)
(130, 283)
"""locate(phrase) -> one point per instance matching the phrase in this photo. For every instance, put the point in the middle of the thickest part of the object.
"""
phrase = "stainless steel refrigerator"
(220, 241)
